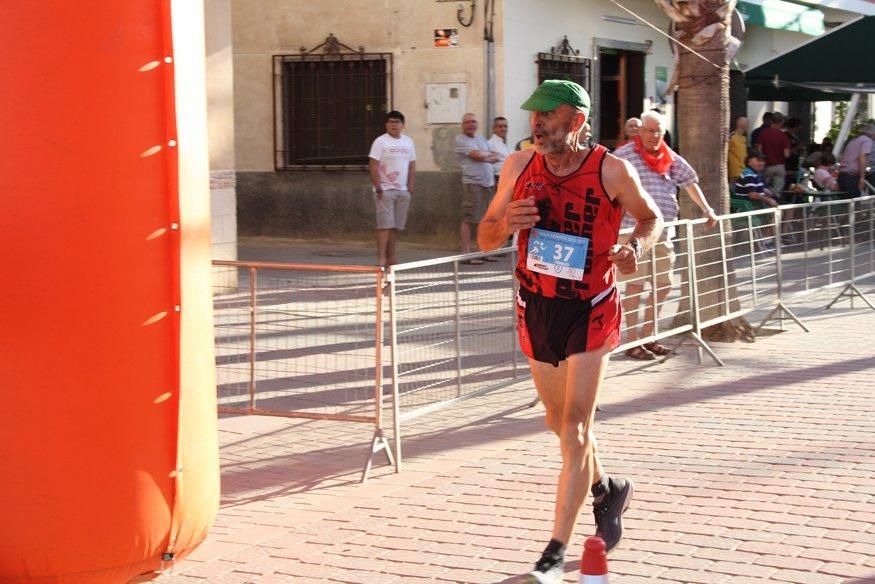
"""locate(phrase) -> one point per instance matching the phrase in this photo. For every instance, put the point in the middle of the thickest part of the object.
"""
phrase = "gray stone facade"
(340, 205)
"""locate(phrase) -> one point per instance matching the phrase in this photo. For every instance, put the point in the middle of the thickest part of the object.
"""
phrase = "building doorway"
(621, 91)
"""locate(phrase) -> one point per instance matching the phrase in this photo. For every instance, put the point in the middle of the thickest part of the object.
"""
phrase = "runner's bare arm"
(505, 216)
(623, 185)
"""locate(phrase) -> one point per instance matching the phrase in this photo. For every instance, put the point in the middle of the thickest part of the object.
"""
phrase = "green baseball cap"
(554, 92)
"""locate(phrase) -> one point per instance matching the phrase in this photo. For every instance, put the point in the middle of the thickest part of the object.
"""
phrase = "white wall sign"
(445, 102)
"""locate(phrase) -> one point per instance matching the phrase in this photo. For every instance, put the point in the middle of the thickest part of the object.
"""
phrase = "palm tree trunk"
(702, 79)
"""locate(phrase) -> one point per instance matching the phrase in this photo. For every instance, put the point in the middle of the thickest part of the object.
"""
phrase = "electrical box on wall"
(445, 102)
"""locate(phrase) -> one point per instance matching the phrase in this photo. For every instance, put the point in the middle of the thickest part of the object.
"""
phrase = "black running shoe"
(550, 569)
(609, 513)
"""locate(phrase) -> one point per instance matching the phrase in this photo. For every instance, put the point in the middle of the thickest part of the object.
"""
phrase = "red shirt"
(576, 204)
(774, 141)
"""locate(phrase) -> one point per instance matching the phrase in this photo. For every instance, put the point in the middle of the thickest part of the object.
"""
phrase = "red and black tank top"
(578, 205)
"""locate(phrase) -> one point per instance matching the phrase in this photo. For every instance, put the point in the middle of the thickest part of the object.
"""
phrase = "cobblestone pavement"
(759, 471)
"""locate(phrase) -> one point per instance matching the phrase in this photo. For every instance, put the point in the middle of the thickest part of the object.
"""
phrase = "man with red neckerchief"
(566, 201)
(662, 171)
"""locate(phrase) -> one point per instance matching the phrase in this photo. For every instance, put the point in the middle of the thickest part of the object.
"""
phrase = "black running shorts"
(551, 329)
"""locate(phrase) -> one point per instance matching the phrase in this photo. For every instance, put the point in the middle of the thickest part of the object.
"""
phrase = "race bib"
(557, 254)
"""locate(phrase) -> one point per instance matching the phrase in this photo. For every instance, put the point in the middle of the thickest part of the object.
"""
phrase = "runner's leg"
(576, 383)
(577, 439)
(550, 383)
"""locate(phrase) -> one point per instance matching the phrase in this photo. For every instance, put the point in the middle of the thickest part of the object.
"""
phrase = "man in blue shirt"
(478, 179)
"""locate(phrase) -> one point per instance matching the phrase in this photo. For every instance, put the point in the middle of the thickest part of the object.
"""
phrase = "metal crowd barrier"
(452, 331)
(301, 340)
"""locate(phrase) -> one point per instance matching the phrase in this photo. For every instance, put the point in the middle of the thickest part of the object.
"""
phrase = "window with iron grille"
(330, 104)
(564, 62)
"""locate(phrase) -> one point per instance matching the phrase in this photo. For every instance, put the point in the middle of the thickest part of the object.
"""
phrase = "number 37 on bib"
(557, 254)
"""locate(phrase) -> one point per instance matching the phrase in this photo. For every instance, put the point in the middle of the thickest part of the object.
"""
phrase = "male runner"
(566, 201)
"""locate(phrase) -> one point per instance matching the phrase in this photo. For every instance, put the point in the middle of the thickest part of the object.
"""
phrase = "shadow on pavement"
(320, 466)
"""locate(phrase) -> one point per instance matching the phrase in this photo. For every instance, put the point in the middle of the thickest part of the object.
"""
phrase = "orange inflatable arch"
(108, 448)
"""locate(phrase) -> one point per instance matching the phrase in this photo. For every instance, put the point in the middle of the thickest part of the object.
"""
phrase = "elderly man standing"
(478, 178)
(662, 171)
(498, 144)
(566, 201)
(852, 174)
(630, 130)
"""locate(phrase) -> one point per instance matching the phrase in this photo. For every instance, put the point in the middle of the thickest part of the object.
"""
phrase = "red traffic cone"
(594, 565)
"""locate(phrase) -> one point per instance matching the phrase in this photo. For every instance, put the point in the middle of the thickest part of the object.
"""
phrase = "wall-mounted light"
(460, 13)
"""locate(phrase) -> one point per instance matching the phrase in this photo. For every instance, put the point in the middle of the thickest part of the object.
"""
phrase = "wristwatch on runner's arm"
(636, 247)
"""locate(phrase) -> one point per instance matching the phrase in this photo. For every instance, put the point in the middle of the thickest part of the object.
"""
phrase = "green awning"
(765, 90)
(829, 67)
(781, 15)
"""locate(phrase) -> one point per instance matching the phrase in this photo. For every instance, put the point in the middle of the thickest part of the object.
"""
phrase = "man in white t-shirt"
(498, 144)
(393, 169)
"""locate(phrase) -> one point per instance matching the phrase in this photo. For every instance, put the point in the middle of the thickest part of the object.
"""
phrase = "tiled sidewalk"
(760, 471)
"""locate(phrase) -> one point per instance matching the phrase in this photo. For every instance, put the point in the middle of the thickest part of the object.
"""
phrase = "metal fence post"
(253, 276)
(725, 269)
(694, 295)
(780, 310)
(396, 390)
(753, 258)
(779, 266)
(850, 289)
(653, 288)
(829, 224)
(378, 442)
(852, 244)
(458, 325)
(779, 250)
(378, 355)
(513, 321)
(805, 248)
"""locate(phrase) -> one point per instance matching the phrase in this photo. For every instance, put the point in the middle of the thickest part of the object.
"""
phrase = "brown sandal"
(640, 353)
(657, 349)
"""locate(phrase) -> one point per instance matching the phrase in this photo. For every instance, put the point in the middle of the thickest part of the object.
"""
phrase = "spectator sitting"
(751, 184)
(815, 151)
(825, 175)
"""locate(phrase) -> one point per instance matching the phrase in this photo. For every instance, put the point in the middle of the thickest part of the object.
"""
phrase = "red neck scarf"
(660, 161)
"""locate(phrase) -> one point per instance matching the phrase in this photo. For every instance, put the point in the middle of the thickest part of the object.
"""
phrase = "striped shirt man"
(662, 187)
(749, 181)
